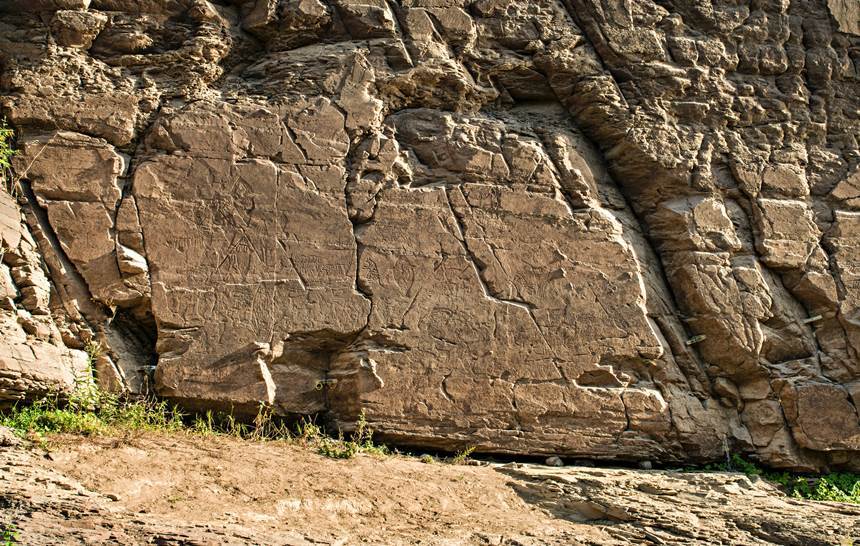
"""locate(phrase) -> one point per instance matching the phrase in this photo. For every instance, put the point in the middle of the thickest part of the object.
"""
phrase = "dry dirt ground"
(183, 489)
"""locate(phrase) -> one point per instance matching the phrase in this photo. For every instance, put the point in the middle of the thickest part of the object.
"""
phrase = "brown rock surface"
(182, 489)
(622, 230)
(34, 360)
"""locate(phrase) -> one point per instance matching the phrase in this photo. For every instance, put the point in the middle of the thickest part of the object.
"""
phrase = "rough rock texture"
(173, 489)
(660, 507)
(609, 229)
(34, 359)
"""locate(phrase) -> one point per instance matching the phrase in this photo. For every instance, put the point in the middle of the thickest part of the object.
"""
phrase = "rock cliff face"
(613, 229)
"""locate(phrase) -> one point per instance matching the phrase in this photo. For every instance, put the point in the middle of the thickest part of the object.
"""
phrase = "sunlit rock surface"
(622, 230)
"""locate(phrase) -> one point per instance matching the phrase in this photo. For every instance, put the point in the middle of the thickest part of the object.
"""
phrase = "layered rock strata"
(622, 230)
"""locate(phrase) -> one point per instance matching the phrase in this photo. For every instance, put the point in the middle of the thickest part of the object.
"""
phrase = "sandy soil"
(181, 489)
(275, 486)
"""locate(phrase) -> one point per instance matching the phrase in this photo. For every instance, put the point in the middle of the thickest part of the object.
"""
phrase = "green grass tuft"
(7, 151)
(90, 411)
(6, 148)
(83, 416)
(833, 486)
(360, 441)
(462, 456)
(8, 535)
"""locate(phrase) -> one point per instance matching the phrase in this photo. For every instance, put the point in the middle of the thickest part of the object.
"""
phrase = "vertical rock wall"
(36, 357)
(621, 230)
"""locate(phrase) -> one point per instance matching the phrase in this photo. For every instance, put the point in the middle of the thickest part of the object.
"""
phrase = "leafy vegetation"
(7, 150)
(99, 413)
(462, 456)
(8, 535)
(51, 415)
(91, 411)
(833, 486)
(361, 441)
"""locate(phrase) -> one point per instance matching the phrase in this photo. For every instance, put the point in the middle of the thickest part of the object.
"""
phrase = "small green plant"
(427, 459)
(233, 427)
(47, 415)
(144, 414)
(739, 464)
(833, 486)
(175, 499)
(337, 448)
(263, 427)
(204, 424)
(108, 412)
(361, 441)
(363, 437)
(7, 151)
(462, 456)
(266, 427)
(8, 535)
(90, 411)
(308, 432)
(94, 350)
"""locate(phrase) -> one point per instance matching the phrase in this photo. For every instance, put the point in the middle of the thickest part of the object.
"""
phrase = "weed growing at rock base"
(83, 416)
(6, 150)
(461, 456)
(8, 535)
(6, 153)
(91, 411)
(833, 486)
(361, 441)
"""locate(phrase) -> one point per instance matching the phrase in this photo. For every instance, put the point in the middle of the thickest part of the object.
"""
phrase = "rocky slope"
(611, 229)
(224, 491)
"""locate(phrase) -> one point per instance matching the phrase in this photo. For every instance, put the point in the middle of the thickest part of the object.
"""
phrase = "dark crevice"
(128, 335)
(136, 328)
(657, 268)
(132, 335)
(399, 32)
(93, 311)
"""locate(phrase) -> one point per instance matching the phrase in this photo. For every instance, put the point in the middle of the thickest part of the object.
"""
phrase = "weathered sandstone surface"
(612, 229)
(184, 490)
